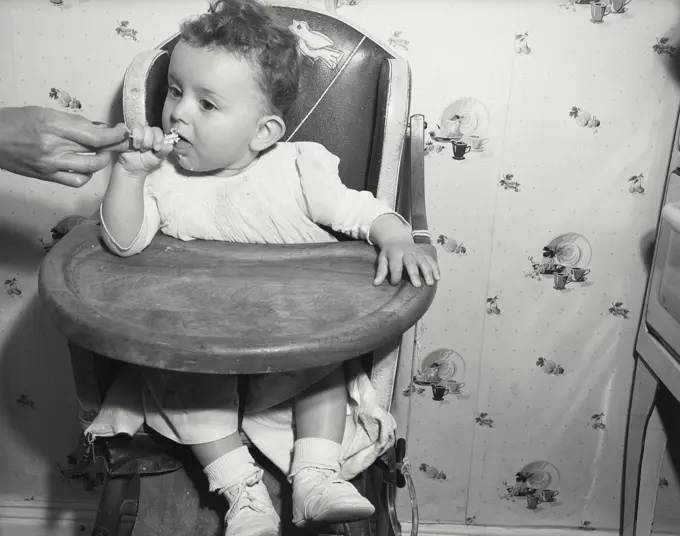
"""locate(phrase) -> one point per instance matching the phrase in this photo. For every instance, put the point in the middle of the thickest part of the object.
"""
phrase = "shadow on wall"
(116, 112)
(38, 409)
(647, 242)
(674, 65)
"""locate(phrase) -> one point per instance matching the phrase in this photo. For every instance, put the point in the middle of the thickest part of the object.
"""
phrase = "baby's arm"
(388, 227)
(360, 215)
(130, 219)
(123, 206)
(399, 252)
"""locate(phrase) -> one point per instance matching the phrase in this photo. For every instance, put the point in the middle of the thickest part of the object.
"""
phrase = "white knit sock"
(230, 469)
(315, 452)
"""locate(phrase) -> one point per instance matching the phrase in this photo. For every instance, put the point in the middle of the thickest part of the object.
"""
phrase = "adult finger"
(75, 180)
(158, 140)
(82, 163)
(92, 135)
(148, 139)
(120, 147)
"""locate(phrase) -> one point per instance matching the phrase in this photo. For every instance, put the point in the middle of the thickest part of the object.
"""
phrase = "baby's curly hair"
(251, 30)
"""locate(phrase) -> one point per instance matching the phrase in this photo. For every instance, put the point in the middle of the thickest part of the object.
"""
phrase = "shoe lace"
(325, 475)
(242, 497)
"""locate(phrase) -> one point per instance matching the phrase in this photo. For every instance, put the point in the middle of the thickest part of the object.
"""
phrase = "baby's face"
(215, 103)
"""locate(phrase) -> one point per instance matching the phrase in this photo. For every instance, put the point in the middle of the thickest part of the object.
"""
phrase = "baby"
(223, 174)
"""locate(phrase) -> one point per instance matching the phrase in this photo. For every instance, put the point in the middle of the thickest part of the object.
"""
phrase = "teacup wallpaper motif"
(549, 129)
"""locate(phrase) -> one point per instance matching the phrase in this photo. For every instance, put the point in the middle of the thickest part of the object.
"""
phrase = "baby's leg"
(201, 411)
(321, 410)
(232, 472)
(319, 495)
(206, 453)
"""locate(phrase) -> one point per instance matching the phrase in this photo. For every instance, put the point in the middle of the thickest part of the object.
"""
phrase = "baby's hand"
(149, 150)
(404, 253)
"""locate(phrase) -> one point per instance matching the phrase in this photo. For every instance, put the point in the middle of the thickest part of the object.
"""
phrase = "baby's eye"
(207, 106)
(174, 92)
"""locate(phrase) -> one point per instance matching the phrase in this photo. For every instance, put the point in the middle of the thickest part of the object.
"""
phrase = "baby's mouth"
(182, 142)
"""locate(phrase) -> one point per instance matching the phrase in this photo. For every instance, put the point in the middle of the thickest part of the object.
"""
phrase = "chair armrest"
(64, 225)
(421, 233)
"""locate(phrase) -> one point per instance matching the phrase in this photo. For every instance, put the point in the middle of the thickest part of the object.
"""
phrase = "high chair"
(222, 308)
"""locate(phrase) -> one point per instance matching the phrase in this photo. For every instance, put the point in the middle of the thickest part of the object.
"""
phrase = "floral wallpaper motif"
(544, 168)
(584, 118)
(521, 43)
(64, 99)
(126, 31)
(397, 41)
(12, 287)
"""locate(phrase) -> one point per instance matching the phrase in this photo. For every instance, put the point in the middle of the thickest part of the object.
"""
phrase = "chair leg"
(377, 480)
(357, 528)
(642, 400)
(109, 510)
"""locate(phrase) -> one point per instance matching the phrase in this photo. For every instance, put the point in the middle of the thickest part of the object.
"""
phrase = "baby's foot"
(320, 496)
(251, 512)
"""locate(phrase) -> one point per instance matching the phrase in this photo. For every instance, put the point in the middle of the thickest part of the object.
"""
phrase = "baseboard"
(431, 529)
(41, 518)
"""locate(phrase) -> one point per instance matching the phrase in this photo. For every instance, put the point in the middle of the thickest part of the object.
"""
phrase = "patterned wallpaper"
(549, 129)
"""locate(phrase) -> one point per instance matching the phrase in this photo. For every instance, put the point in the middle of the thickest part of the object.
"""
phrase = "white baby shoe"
(251, 512)
(320, 496)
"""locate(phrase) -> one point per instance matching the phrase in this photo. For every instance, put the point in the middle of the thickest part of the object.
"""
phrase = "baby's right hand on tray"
(147, 152)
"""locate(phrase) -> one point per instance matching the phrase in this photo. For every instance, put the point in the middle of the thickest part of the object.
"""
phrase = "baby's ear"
(271, 129)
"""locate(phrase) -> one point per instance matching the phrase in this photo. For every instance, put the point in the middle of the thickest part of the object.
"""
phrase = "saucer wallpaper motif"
(463, 126)
(537, 482)
(597, 12)
(443, 371)
(565, 260)
(471, 113)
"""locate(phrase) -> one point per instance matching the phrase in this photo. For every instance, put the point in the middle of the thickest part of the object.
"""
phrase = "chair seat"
(225, 308)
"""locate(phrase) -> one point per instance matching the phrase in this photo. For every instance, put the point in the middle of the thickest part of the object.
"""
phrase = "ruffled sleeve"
(329, 202)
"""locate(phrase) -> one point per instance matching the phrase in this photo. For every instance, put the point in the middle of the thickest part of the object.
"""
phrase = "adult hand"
(49, 145)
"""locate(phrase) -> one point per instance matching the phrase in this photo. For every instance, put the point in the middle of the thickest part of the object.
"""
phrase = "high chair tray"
(225, 308)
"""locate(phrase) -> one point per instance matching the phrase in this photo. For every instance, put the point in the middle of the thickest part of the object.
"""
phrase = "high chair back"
(354, 97)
